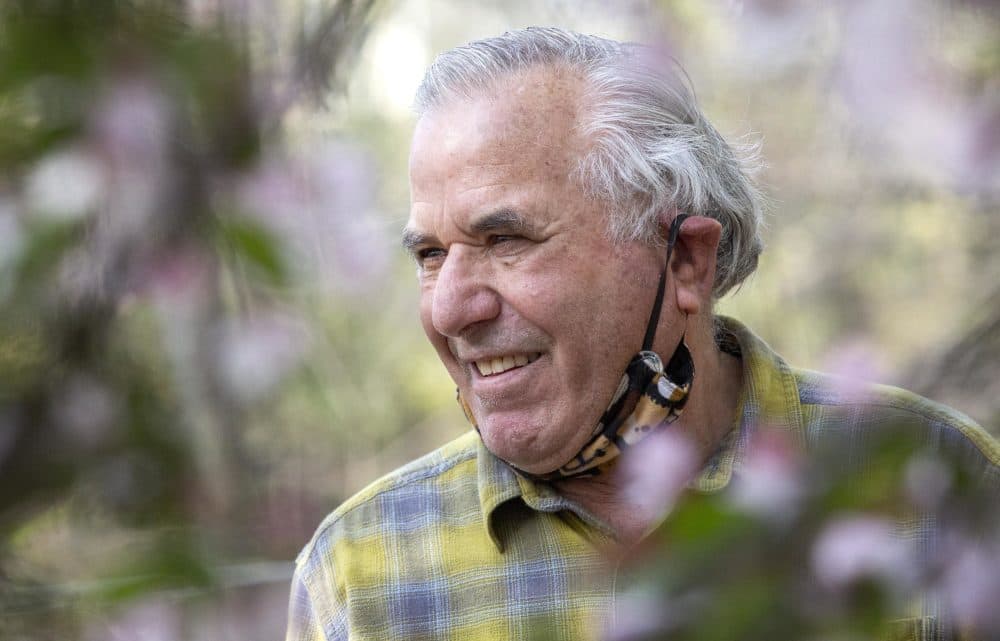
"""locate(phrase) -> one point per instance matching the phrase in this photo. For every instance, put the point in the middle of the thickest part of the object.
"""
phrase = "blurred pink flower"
(905, 101)
(255, 355)
(770, 483)
(656, 470)
(775, 34)
(856, 362)
(853, 548)
(322, 204)
(152, 619)
(178, 284)
(971, 587)
(637, 614)
(130, 128)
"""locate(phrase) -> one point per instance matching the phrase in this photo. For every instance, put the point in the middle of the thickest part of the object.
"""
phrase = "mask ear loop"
(654, 317)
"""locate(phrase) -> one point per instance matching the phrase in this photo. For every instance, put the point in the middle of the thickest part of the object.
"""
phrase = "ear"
(693, 263)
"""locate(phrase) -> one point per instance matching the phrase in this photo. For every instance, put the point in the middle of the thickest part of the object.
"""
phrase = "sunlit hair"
(652, 150)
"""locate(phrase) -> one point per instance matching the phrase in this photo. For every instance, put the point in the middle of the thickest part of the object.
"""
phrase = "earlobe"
(693, 263)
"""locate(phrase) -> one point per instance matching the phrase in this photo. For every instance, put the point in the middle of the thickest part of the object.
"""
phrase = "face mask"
(648, 398)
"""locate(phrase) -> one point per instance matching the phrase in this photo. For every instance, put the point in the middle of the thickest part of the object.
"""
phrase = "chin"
(523, 446)
(517, 444)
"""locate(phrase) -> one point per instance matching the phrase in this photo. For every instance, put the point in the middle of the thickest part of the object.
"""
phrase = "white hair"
(651, 148)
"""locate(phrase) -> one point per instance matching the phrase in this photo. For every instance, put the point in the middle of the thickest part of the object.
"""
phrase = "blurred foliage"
(147, 308)
(207, 339)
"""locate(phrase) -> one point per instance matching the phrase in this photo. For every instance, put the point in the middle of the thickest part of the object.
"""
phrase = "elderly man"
(574, 217)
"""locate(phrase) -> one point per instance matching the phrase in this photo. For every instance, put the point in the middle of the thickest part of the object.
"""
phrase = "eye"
(504, 241)
(429, 256)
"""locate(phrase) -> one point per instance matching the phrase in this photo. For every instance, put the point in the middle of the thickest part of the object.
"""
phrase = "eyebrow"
(412, 239)
(505, 219)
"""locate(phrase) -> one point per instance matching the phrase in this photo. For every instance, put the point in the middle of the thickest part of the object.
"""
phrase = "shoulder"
(386, 504)
(834, 404)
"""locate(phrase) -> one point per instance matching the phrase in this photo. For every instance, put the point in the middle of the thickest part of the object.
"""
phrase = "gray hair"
(652, 150)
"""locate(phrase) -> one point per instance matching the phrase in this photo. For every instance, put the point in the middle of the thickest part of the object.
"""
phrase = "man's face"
(533, 310)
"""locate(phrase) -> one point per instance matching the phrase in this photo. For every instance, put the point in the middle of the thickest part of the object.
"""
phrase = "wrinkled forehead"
(526, 117)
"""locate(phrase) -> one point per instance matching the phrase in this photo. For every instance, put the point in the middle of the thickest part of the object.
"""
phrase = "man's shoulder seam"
(876, 395)
(428, 466)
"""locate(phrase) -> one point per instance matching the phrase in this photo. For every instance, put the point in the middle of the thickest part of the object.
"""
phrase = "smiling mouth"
(501, 364)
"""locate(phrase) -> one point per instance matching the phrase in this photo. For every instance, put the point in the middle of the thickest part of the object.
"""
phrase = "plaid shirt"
(457, 546)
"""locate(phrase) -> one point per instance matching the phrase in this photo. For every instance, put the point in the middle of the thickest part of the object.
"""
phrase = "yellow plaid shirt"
(457, 546)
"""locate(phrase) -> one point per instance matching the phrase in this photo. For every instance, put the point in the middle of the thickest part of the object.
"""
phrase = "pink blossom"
(971, 587)
(637, 614)
(178, 284)
(152, 619)
(130, 128)
(856, 362)
(774, 35)
(857, 547)
(770, 483)
(322, 205)
(254, 356)
(656, 471)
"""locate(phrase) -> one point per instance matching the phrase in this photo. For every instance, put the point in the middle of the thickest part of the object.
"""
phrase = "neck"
(708, 417)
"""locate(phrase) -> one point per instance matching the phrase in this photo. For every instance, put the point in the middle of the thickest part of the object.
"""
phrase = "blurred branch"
(321, 55)
(966, 372)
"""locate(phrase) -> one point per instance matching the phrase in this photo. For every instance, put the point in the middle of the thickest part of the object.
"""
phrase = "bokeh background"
(208, 334)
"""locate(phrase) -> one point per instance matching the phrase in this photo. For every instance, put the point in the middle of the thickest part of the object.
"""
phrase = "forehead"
(522, 132)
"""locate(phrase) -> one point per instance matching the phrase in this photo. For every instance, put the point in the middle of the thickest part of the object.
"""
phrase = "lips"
(500, 364)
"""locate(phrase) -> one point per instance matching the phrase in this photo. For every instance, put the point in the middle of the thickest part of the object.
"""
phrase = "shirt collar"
(770, 398)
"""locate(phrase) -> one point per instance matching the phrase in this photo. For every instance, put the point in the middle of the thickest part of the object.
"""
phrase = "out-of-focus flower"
(322, 205)
(855, 548)
(65, 185)
(85, 410)
(856, 362)
(253, 357)
(775, 34)
(910, 104)
(971, 587)
(656, 471)
(638, 614)
(130, 125)
(178, 284)
(769, 484)
(130, 128)
(153, 619)
(927, 481)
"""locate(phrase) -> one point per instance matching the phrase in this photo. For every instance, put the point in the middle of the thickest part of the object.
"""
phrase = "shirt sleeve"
(313, 612)
(303, 624)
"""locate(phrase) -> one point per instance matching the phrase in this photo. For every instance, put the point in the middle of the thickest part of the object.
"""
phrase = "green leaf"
(257, 247)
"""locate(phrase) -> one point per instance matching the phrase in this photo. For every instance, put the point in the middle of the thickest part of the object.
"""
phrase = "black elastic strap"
(654, 317)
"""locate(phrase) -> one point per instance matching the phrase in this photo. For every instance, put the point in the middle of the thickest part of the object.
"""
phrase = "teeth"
(500, 364)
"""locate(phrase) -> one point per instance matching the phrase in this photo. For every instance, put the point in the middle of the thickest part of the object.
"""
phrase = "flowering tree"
(144, 282)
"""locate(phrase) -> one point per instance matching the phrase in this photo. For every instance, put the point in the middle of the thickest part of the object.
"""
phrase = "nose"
(464, 293)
